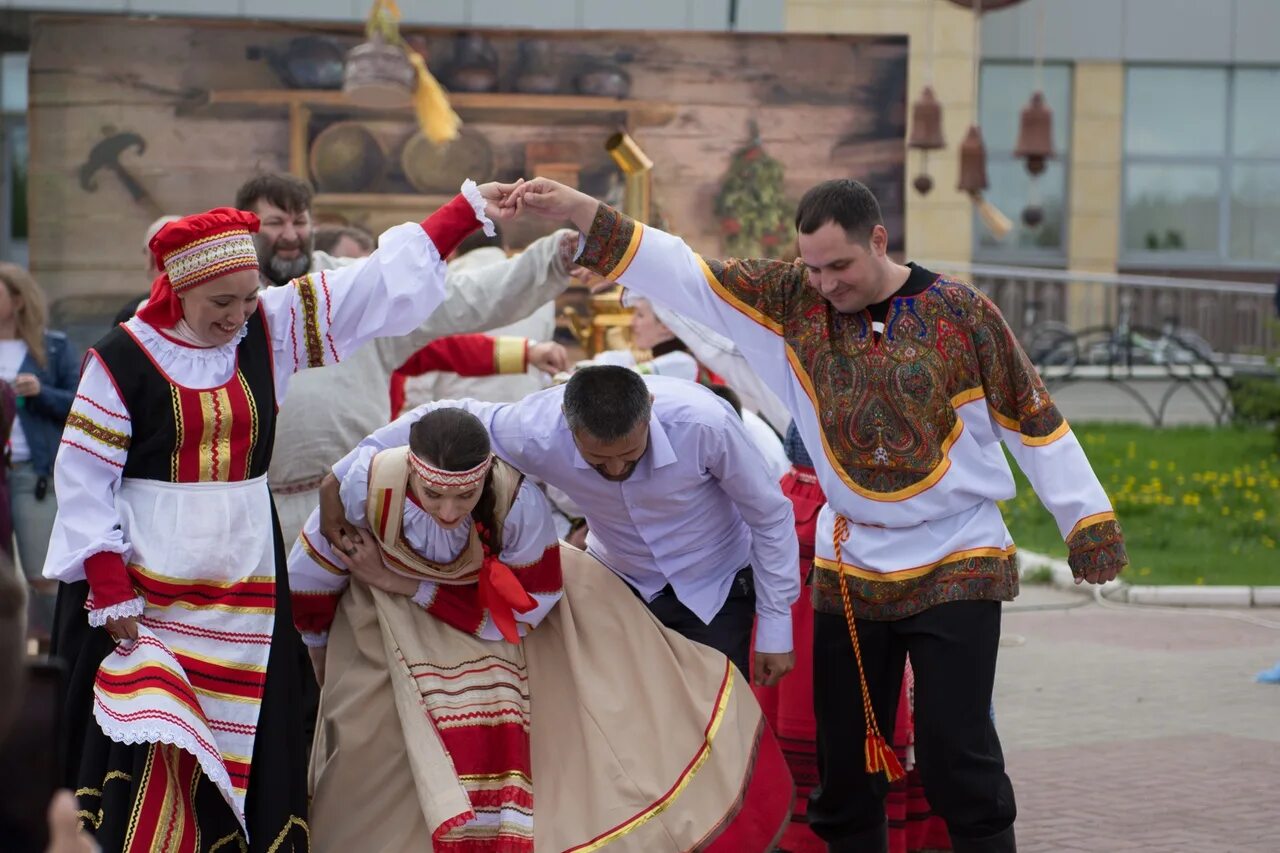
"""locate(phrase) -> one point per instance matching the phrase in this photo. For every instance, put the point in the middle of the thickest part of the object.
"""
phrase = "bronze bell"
(973, 162)
(926, 122)
(1035, 134)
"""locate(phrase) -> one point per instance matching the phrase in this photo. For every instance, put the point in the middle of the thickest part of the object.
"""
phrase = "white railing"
(1235, 318)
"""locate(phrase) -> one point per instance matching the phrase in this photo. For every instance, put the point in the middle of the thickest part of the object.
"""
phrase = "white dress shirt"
(698, 507)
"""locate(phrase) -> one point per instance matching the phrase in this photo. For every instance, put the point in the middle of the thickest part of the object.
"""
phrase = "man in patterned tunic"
(905, 383)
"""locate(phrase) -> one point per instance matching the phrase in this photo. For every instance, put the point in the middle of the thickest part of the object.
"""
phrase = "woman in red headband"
(489, 690)
(182, 722)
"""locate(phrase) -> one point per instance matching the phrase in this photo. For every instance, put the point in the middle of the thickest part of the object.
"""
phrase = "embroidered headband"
(199, 248)
(440, 479)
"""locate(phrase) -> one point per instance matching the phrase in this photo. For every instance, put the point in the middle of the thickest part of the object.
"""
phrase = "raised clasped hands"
(542, 197)
(498, 199)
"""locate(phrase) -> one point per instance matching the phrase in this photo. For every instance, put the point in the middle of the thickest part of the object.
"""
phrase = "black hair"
(727, 394)
(289, 193)
(455, 440)
(606, 401)
(478, 240)
(844, 201)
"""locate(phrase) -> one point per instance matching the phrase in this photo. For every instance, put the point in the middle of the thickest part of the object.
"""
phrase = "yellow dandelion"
(1260, 515)
(1144, 571)
(1199, 581)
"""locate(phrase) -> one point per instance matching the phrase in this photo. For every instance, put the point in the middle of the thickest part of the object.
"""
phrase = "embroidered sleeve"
(758, 288)
(322, 317)
(747, 301)
(316, 582)
(1039, 438)
(1096, 543)
(87, 474)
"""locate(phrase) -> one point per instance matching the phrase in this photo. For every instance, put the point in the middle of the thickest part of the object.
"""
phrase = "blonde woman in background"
(44, 371)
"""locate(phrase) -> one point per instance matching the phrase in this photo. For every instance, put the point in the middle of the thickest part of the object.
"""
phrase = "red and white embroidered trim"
(441, 479)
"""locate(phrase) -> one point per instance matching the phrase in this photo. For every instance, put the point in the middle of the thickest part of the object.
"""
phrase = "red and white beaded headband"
(440, 479)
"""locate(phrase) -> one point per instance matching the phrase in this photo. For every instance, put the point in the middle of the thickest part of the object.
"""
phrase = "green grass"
(1197, 505)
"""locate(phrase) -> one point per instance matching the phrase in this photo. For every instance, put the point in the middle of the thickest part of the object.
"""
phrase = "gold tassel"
(436, 117)
(879, 755)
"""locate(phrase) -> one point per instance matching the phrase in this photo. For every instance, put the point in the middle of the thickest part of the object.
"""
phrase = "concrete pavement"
(1133, 729)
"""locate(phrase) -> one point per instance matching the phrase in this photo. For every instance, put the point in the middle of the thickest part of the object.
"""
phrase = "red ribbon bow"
(502, 594)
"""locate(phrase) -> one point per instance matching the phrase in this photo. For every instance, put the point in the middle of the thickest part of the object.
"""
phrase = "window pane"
(1006, 89)
(1172, 208)
(1010, 191)
(1255, 214)
(1176, 111)
(15, 139)
(1256, 103)
(13, 73)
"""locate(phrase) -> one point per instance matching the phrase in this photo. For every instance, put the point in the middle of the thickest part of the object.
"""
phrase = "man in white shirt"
(679, 505)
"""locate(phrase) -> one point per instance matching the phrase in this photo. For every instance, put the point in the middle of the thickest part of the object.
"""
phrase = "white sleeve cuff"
(426, 594)
(315, 641)
(132, 607)
(773, 634)
(472, 194)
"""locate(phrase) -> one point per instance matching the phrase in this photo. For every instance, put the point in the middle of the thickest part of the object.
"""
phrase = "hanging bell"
(923, 183)
(1035, 134)
(973, 163)
(926, 122)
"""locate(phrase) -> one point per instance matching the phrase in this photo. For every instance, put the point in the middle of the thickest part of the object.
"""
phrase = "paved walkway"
(1136, 730)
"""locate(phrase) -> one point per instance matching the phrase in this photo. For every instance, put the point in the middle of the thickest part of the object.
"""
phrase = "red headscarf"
(194, 250)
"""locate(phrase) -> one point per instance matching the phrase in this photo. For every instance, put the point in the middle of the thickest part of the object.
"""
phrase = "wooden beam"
(493, 106)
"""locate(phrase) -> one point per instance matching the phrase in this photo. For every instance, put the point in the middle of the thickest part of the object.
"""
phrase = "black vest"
(176, 429)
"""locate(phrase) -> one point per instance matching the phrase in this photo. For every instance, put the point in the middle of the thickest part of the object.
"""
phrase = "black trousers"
(953, 655)
(730, 629)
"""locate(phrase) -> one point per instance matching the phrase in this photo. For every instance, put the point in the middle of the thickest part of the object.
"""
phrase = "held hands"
(499, 199)
(543, 197)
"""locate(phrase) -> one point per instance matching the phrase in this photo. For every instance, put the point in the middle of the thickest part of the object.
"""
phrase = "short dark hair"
(724, 392)
(290, 194)
(844, 201)
(328, 236)
(455, 440)
(606, 401)
(478, 240)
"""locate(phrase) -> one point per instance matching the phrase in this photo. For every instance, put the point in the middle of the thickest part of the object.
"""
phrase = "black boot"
(1001, 842)
(868, 841)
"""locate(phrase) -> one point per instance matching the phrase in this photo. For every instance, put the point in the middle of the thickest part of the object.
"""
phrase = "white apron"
(204, 561)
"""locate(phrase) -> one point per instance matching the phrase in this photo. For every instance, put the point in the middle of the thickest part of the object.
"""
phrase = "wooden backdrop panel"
(825, 107)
